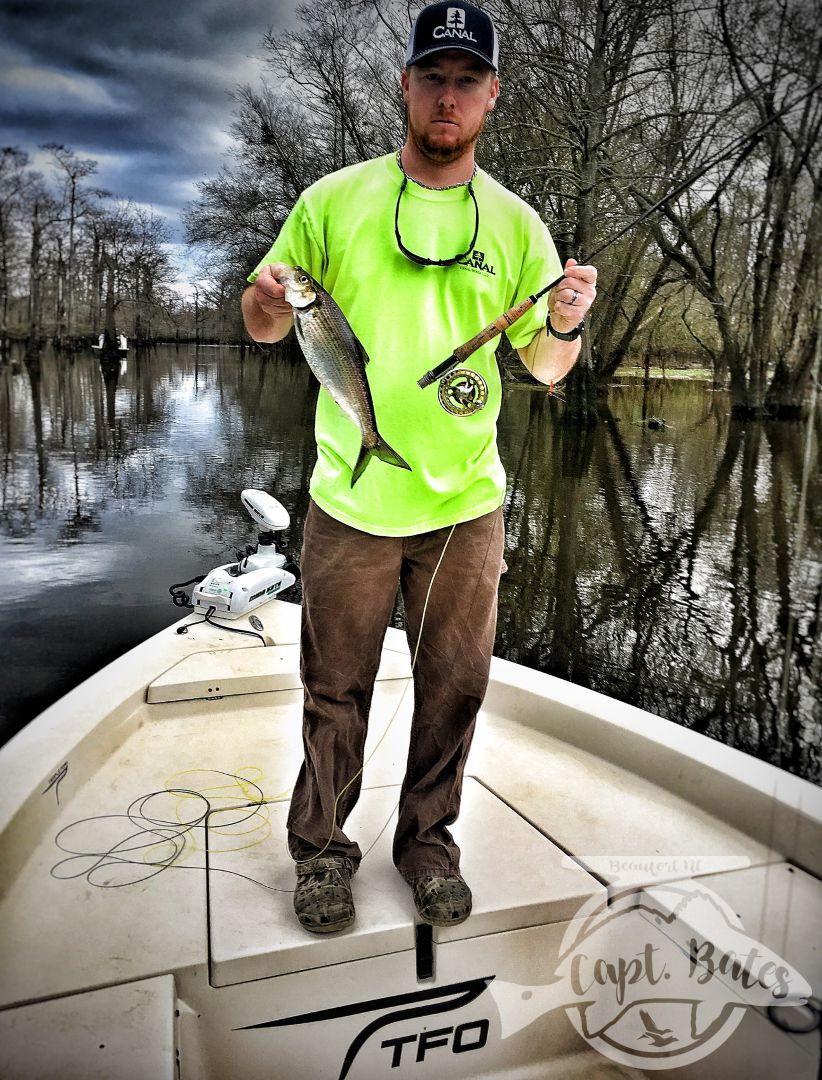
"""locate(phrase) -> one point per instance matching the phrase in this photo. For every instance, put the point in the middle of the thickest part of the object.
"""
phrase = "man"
(380, 236)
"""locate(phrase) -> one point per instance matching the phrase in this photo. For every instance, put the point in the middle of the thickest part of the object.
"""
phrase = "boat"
(146, 922)
(122, 344)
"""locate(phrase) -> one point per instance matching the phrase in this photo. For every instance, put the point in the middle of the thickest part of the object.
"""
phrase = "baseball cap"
(453, 24)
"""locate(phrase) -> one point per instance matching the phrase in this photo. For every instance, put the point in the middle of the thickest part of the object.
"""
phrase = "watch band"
(572, 335)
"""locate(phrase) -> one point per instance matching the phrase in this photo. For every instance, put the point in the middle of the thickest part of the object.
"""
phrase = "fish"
(338, 360)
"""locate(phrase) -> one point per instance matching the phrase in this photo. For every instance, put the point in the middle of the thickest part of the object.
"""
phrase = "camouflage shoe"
(442, 901)
(322, 899)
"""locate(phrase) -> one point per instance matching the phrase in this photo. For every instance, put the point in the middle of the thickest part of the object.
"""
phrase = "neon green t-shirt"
(409, 318)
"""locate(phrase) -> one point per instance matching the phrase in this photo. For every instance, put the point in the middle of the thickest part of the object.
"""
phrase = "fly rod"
(508, 318)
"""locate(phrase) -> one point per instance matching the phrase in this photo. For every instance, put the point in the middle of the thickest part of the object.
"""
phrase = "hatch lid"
(220, 673)
(518, 877)
(121, 1032)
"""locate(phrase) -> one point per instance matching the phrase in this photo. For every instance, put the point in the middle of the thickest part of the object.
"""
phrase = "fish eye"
(303, 279)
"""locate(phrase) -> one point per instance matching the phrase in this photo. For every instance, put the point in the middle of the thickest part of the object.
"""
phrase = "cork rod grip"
(462, 352)
(508, 318)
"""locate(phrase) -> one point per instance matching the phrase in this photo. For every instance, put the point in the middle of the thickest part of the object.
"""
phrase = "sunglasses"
(419, 259)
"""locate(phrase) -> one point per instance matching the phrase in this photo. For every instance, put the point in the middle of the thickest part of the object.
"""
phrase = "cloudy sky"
(141, 86)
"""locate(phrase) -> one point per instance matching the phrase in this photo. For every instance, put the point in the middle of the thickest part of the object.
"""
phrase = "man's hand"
(267, 314)
(569, 301)
(269, 293)
(549, 359)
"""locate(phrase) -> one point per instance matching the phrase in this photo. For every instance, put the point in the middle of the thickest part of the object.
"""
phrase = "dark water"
(664, 567)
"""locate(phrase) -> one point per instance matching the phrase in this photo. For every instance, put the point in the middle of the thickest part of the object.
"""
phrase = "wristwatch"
(572, 335)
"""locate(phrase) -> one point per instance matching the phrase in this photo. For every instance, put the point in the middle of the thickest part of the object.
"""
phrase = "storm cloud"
(143, 87)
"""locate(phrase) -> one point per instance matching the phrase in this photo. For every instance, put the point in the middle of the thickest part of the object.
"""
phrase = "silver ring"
(574, 298)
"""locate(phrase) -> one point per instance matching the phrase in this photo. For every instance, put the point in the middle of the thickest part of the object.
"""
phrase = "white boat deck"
(109, 887)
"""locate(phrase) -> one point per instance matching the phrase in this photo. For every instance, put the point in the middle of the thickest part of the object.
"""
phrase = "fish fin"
(366, 359)
(383, 451)
(389, 455)
(362, 461)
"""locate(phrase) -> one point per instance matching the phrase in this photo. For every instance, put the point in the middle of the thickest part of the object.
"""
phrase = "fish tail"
(381, 450)
(389, 455)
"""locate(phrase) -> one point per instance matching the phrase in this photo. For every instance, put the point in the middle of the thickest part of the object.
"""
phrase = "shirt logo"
(454, 26)
(463, 392)
(477, 261)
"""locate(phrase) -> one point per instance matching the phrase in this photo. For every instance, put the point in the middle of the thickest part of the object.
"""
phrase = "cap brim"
(415, 59)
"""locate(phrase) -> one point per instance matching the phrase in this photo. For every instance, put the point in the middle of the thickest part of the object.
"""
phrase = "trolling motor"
(235, 589)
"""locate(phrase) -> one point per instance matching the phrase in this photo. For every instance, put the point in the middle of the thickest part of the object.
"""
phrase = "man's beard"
(443, 155)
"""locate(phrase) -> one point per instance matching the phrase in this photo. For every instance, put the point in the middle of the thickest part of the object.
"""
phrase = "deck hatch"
(125, 1031)
(230, 672)
(253, 932)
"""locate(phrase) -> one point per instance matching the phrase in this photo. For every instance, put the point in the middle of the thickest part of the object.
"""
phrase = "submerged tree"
(56, 236)
(15, 182)
(45, 214)
(752, 245)
(76, 203)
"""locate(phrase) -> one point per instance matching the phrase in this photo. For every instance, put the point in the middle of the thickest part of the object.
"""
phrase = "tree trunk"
(95, 303)
(582, 391)
(35, 295)
(788, 394)
(110, 349)
(4, 286)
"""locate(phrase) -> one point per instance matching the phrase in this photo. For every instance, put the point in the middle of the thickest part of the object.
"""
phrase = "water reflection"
(657, 566)
(655, 563)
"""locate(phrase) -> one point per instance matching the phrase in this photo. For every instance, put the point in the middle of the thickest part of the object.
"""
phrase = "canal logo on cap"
(454, 25)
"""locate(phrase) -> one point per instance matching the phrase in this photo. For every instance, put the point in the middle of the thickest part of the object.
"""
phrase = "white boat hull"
(146, 919)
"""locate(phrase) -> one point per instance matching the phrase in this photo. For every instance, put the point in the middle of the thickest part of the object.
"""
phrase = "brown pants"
(349, 586)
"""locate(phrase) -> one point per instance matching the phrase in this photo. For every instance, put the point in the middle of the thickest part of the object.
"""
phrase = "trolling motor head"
(236, 588)
(265, 509)
(272, 516)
